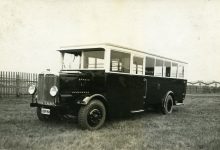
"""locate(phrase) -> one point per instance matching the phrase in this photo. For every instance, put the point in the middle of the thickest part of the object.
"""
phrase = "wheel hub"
(94, 117)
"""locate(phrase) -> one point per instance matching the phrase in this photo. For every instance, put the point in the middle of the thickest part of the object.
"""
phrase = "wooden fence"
(16, 83)
(193, 89)
(203, 87)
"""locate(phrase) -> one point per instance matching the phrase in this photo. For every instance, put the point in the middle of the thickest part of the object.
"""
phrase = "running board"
(179, 104)
(137, 111)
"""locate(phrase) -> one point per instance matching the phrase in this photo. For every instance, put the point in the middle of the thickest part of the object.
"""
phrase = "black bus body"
(108, 81)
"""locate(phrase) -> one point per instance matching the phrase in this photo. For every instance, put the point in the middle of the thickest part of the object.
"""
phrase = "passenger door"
(137, 92)
(138, 84)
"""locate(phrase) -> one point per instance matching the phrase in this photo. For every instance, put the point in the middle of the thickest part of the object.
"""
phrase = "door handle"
(145, 93)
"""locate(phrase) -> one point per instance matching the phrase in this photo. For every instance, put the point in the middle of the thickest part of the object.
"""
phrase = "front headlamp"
(53, 91)
(32, 89)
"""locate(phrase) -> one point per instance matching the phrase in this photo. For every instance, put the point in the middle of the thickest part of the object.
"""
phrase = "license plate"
(45, 111)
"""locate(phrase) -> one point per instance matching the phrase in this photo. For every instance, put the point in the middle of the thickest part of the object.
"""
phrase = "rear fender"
(165, 97)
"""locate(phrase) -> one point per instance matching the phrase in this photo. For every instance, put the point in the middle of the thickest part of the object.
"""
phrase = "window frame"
(83, 61)
(173, 62)
(149, 56)
(155, 64)
(120, 51)
(183, 71)
(132, 63)
(62, 63)
(164, 68)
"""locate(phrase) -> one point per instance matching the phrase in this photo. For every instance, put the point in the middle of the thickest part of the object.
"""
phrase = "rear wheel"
(92, 116)
(167, 106)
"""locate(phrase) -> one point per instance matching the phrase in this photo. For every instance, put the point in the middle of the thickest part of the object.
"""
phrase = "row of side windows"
(120, 62)
(161, 68)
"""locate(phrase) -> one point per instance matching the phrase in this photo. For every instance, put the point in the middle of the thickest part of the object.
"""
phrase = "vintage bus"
(106, 80)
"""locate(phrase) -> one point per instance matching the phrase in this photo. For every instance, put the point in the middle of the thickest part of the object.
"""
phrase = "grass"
(196, 125)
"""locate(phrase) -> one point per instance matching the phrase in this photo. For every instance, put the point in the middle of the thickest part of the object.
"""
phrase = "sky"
(31, 31)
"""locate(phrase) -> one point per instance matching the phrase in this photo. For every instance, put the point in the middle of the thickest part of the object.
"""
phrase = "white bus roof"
(104, 45)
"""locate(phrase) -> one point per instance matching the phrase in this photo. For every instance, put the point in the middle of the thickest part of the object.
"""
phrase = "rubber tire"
(84, 111)
(168, 102)
(42, 117)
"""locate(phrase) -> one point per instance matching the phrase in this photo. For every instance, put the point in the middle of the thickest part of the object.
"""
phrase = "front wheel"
(92, 116)
(167, 106)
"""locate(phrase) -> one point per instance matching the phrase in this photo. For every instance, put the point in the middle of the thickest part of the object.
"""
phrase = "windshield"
(71, 61)
(83, 60)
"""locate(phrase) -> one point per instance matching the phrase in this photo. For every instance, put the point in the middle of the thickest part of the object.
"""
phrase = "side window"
(120, 62)
(138, 65)
(93, 59)
(158, 68)
(181, 71)
(166, 69)
(149, 66)
(174, 70)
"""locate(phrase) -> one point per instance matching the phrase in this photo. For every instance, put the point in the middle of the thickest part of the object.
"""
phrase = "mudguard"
(168, 93)
(87, 99)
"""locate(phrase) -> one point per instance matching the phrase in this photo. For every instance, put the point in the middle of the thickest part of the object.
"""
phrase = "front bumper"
(46, 106)
(61, 109)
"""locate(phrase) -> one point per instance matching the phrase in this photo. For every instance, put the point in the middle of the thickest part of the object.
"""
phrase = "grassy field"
(196, 125)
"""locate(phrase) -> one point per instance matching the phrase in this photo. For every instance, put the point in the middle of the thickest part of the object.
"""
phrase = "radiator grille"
(45, 82)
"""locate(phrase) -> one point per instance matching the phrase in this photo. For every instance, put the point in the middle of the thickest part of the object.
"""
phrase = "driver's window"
(93, 60)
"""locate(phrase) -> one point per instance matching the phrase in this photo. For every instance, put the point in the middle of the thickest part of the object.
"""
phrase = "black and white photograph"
(110, 74)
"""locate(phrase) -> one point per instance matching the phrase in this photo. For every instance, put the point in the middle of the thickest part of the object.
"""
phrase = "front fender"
(87, 99)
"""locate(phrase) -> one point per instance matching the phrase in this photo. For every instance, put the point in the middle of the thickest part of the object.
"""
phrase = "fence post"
(215, 88)
(1, 84)
(17, 85)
